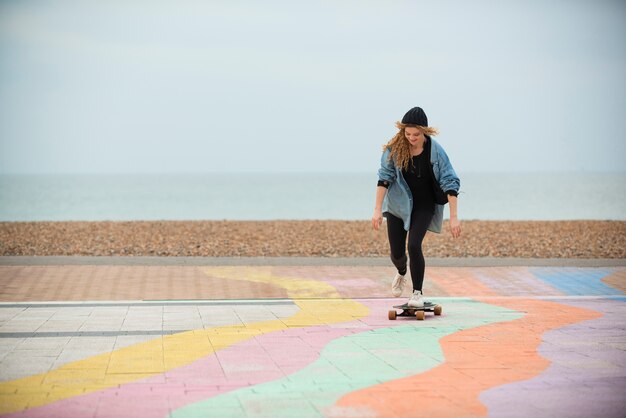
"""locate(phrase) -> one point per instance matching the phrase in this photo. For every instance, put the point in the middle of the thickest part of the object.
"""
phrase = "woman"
(416, 180)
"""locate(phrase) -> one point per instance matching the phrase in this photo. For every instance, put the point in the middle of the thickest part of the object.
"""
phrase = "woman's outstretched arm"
(455, 225)
(377, 218)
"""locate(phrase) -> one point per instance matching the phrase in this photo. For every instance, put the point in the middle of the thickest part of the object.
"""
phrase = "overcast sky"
(312, 86)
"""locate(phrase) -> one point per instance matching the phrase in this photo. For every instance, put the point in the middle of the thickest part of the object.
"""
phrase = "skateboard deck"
(419, 313)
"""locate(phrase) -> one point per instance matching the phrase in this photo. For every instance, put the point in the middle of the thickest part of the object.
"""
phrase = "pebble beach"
(322, 238)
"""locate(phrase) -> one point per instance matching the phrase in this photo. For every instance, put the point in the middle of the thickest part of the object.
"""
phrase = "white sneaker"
(416, 301)
(397, 285)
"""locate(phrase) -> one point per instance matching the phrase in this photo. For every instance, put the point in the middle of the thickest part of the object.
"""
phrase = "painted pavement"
(511, 342)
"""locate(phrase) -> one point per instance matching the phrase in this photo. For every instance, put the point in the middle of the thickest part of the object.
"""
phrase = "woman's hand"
(455, 227)
(377, 219)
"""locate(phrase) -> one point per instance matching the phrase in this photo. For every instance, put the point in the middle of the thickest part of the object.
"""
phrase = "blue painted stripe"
(576, 281)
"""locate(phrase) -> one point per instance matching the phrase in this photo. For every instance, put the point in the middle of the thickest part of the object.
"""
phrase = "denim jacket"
(398, 200)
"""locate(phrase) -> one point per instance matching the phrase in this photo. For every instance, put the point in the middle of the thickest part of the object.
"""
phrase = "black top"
(418, 176)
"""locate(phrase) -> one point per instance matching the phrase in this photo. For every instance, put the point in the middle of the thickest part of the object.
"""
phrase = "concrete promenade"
(195, 337)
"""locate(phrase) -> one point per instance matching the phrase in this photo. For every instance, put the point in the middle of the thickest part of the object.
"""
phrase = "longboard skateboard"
(419, 313)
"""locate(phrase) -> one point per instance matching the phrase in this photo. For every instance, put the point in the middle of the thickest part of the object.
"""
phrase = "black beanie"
(415, 116)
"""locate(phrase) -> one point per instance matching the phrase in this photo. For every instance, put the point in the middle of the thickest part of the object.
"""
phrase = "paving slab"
(261, 339)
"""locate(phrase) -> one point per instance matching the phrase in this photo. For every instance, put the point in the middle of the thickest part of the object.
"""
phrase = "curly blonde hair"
(400, 147)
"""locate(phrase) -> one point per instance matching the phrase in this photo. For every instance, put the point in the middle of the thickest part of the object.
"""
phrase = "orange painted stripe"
(616, 280)
(459, 282)
(476, 359)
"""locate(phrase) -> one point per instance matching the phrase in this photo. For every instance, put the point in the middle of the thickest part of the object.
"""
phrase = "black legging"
(397, 244)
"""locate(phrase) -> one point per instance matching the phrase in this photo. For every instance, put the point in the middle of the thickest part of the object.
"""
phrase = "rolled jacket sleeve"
(448, 179)
(387, 170)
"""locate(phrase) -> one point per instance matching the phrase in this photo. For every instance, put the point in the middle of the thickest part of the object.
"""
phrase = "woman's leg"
(397, 242)
(419, 225)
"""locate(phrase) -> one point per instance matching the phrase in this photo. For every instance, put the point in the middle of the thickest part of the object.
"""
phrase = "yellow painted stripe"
(159, 355)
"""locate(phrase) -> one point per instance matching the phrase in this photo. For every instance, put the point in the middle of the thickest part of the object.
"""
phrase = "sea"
(297, 196)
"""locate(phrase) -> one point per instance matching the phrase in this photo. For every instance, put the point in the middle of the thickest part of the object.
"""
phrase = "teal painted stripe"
(354, 362)
(577, 281)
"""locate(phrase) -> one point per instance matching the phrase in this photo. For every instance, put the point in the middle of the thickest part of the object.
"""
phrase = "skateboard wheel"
(438, 310)
(392, 315)
(419, 315)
